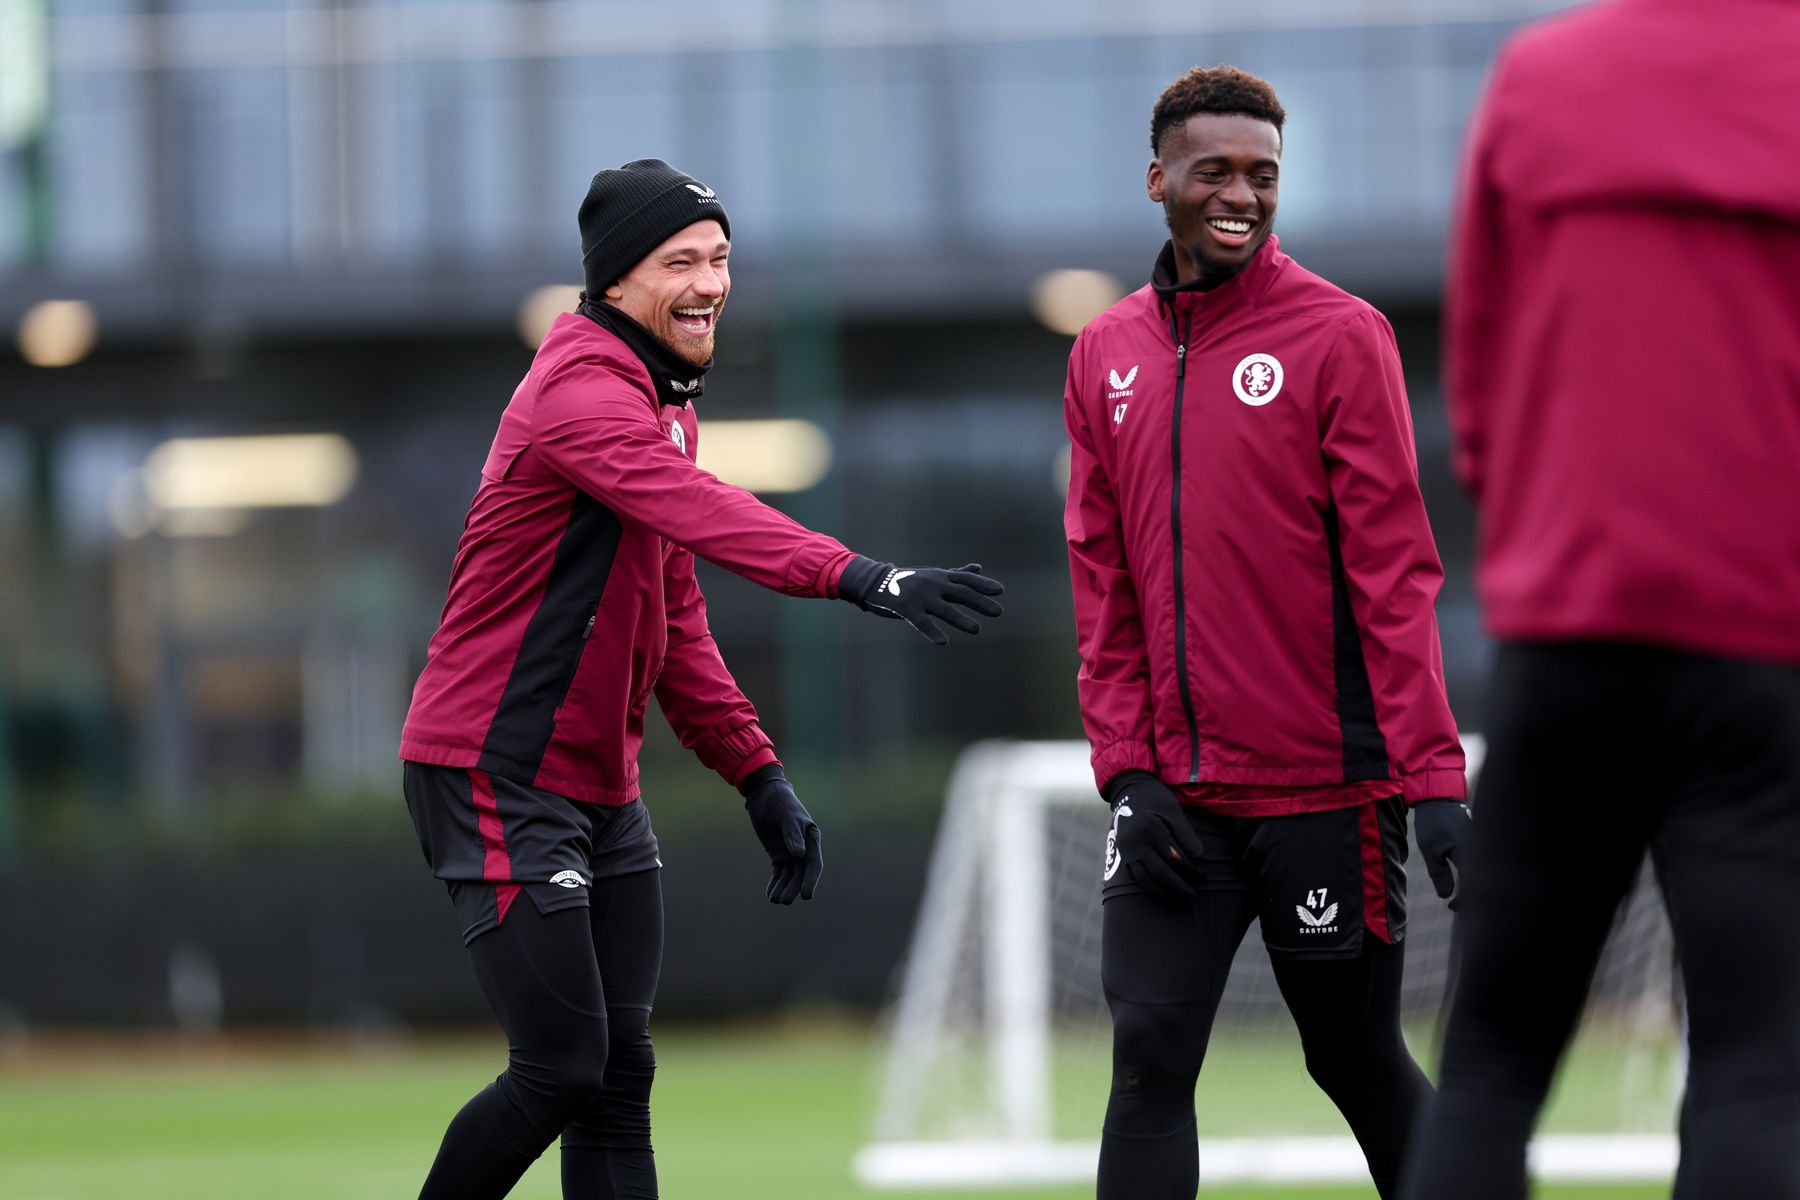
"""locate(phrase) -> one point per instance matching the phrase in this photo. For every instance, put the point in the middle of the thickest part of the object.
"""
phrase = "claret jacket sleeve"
(1390, 562)
(1113, 684)
(696, 692)
(595, 430)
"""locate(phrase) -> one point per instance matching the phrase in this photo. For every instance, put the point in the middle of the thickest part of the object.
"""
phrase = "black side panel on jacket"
(1365, 749)
(554, 638)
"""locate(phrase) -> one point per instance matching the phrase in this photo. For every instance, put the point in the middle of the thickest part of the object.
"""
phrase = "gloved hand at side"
(1152, 837)
(786, 831)
(1440, 828)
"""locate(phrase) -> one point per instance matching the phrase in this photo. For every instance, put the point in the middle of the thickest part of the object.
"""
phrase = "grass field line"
(764, 1112)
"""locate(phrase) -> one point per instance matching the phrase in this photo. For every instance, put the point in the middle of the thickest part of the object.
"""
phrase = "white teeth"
(693, 312)
(1229, 226)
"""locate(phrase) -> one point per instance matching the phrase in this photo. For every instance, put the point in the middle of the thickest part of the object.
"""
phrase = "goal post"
(998, 1061)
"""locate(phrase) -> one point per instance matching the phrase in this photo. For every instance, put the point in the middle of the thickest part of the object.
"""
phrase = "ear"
(1154, 181)
(614, 293)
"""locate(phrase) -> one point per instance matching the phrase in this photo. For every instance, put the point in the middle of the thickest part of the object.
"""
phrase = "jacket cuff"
(1441, 784)
(758, 777)
(756, 761)
(1115, 758)
(815, 570)
(734, 753)
(831, 579)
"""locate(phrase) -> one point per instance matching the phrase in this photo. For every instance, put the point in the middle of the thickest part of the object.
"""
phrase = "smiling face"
(678, 290)
(1217, 177)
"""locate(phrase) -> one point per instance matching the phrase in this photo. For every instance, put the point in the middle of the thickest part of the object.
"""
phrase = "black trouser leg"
(1164, 969)
(1562, 819)
(1728, 855)
(606, 1152)
(1348, 1014)
(540, 976)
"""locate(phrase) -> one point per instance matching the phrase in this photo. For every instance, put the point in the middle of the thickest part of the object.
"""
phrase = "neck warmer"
(677, 380)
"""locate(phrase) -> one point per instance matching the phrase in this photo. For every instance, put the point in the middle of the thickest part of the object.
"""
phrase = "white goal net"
(998, 1068)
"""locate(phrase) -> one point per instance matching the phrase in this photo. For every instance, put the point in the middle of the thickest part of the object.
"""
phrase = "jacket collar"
(1247, 284)
(677, 380)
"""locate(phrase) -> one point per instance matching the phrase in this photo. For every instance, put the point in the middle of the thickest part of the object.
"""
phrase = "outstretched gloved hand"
(917, 595)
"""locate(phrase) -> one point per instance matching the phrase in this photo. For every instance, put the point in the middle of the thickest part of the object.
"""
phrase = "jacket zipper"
(574, 668)
(1181, 671)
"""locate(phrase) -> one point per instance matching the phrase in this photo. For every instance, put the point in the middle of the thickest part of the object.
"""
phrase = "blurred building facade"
(306, 216)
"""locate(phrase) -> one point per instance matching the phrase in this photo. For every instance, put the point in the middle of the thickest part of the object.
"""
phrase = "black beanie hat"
(633, 209)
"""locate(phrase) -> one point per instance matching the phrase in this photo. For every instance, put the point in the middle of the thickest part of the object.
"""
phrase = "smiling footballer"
(1260, 678)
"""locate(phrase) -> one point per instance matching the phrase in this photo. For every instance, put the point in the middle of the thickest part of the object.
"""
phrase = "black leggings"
(573, 992)
(1600, 753)
(1164, 970)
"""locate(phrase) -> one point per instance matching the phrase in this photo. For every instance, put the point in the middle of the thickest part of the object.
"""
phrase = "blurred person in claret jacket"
(1624, 350)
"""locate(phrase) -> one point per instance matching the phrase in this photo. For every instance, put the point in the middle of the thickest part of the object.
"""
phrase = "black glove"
(917, 594)
(787, 832)
(1441, 827)
(1152, 837)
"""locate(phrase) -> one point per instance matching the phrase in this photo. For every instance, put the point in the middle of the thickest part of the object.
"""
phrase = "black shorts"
(1318, 879)
(489, 838)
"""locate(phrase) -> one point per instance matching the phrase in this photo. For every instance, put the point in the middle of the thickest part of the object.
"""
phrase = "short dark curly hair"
(1220, 89)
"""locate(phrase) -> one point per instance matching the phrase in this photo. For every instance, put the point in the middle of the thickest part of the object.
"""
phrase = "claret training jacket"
(1253, 570)
(1623, 328)
(573, 592)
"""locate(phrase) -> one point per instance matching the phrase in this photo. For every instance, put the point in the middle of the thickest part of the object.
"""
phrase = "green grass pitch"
(750, 1114)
